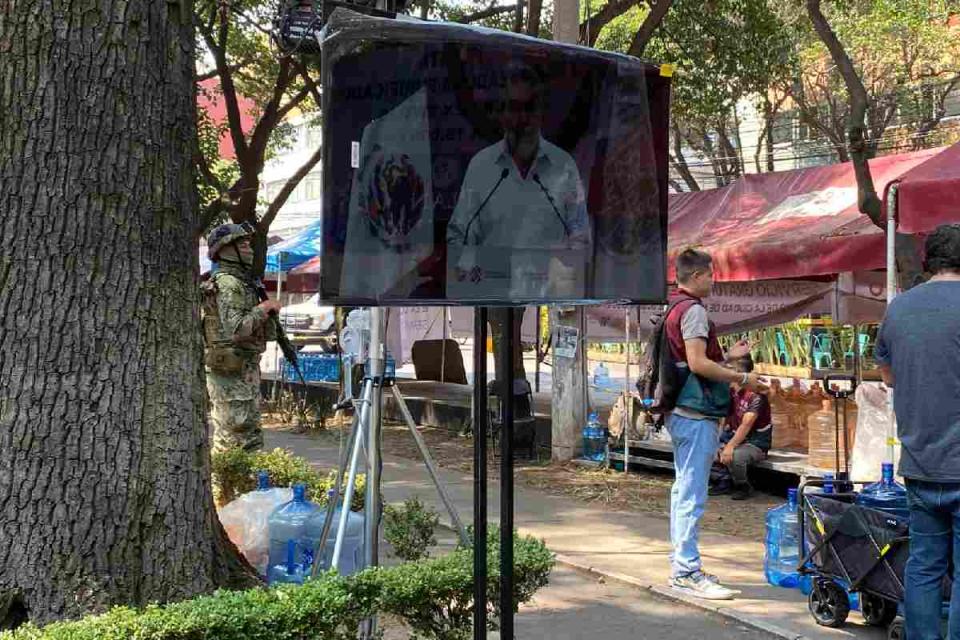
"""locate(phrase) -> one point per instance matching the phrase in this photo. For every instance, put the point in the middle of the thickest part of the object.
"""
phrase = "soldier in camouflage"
(236, 328)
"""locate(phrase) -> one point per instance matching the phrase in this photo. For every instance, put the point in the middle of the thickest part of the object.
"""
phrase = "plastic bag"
(245, 520)
(870, 446)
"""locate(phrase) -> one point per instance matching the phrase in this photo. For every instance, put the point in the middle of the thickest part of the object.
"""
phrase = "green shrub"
(410, 529)
(434, 597)
(235, 472)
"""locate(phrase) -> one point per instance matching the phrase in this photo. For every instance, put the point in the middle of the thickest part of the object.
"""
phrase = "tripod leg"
(337, 492)
(431, 467)
(352, 478)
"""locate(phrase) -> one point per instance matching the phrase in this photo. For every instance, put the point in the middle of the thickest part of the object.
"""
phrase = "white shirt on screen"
(530, 236)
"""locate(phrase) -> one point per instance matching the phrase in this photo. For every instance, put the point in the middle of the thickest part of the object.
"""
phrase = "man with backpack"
(693, 386)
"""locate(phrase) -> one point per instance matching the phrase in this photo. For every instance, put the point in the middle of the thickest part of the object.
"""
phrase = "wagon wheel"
(896, 631)
(877, 611)
(828, 603)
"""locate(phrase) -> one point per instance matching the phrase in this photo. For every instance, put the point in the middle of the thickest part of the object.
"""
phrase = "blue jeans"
(934, 536)
(694, 448)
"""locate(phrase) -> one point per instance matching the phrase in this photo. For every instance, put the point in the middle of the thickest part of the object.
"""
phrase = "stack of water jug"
(280, 535)
(782, 555)
(594, 439)
(601, 376)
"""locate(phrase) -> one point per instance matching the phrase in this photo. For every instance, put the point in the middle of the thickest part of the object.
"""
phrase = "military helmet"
(227, 234)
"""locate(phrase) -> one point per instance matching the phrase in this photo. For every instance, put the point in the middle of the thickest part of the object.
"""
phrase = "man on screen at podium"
(520, 228)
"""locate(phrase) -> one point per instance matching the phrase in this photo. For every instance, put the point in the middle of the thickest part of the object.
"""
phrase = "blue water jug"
(601, 376)
(594, 439)
(351, 555)
(290, 571)
(886, 495)
(288, 523)
(782, 553)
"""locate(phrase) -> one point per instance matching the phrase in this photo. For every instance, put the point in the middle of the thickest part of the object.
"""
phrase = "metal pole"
(480, 473)
(627, 402)
(373, 506)
(365, 407)
(345, 462)
(891, 294)
(443, 348)
(505, 381)
(536, 351)
(431, 467)
(278, 370)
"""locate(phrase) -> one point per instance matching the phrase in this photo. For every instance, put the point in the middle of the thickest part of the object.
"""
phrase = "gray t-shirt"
(920, 341)
(694, 324)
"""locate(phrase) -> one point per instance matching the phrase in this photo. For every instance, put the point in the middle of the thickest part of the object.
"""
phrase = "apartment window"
(313, 187)
(313, 138)
(951, 104)
(296, 195)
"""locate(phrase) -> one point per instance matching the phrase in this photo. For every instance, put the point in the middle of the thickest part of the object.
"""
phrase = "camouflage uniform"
(235, 334)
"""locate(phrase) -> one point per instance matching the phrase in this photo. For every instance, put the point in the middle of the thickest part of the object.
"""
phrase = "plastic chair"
(783, 355)
(822, 351)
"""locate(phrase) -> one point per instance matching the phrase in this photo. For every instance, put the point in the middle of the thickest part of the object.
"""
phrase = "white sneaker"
(699, 585)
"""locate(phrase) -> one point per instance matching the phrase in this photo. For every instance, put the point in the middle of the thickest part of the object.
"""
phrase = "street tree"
(105, 491)
(860, 59)
(239, 39)
(725, 52)
(906, 55)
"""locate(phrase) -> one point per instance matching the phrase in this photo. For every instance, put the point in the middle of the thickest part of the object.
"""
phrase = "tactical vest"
(221, 354)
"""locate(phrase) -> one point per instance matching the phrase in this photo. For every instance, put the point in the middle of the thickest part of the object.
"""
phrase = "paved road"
(576, 607)
(632, 545)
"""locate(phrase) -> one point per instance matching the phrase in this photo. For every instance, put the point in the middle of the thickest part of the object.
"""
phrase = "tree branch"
(658, 9)
(867, 199)
(533, 18)
(227, 87)
(591, 27)
(213, 73)
(288, 187)
(309, 82)
(927, 125)
(486, 13)
(680, 163)
(271, 113)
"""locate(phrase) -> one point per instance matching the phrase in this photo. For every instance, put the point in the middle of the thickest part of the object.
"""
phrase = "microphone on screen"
(566, 228)
(503, 176)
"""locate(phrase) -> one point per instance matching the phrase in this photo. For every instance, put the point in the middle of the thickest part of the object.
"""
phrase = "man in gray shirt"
(918, 350)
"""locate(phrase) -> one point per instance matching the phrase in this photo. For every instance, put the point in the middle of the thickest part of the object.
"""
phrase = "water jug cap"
(886, 471)
(792, 495)
(593, 416)
(331, 493)
(263, 480)
(299, 492)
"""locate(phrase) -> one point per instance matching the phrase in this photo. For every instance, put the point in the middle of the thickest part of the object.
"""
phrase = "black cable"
(566, 228)
(503, 176)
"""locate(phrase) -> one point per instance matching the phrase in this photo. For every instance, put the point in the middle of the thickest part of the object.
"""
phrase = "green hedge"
(435, 597)
(235, 472)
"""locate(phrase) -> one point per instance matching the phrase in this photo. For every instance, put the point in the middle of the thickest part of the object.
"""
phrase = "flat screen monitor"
(469, 166)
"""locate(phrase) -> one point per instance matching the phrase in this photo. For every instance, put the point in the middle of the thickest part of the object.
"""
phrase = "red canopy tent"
(304, 277)
(929, 194)
(787, 224)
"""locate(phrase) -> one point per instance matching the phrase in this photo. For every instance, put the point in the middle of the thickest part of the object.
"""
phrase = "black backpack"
(660, 378)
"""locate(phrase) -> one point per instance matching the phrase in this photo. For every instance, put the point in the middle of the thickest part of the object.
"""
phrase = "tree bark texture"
(104, 456)
(908, 262)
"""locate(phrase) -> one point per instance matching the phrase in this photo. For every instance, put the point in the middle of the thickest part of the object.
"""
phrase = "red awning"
(304, 278)
(929, 194)
(787, 224)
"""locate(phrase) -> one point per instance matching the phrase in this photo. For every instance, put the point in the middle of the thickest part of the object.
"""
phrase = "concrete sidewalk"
(630, 547)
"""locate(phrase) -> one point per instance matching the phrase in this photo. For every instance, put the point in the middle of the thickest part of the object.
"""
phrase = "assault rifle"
(289, 351)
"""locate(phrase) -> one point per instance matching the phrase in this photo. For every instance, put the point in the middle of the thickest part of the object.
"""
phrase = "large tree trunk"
(104, 459)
